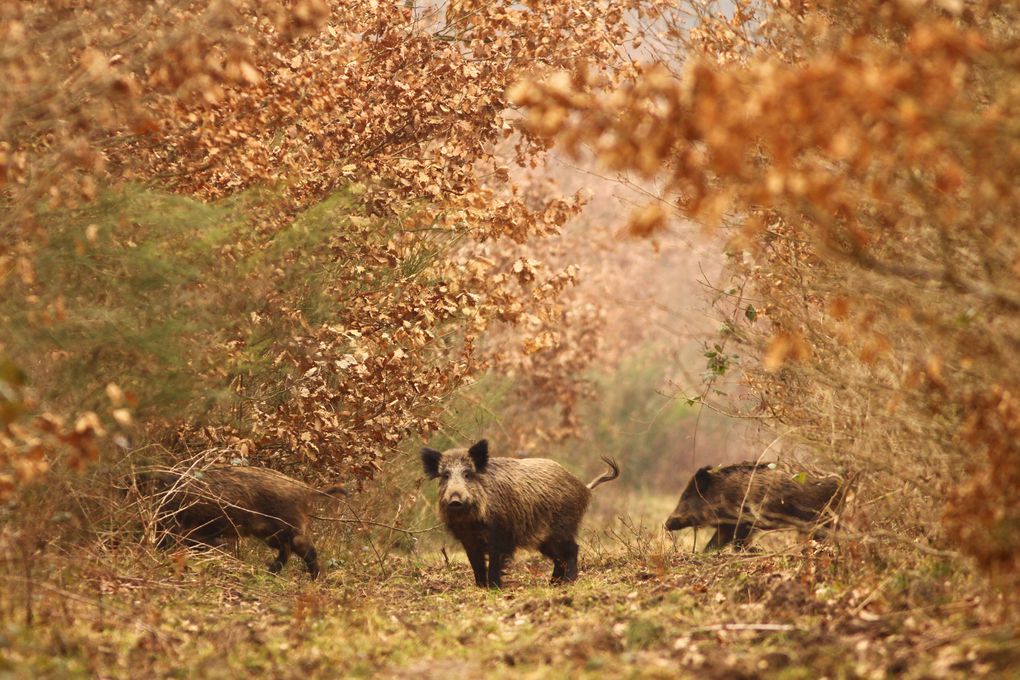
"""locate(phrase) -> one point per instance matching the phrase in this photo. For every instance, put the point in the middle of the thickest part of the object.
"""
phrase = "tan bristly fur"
(496, 505)
(220, 505)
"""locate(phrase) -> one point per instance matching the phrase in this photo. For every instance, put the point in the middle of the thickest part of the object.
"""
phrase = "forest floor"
(643, 607)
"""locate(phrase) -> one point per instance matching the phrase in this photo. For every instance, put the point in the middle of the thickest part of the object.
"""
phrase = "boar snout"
(456, 497)
(676, 523)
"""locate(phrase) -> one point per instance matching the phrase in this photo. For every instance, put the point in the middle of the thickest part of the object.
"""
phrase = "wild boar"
(495, 505)
(219, 505)
(737, 499)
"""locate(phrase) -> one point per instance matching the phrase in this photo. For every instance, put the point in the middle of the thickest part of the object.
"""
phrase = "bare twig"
(759, 627)
(871, 536)
(347, 520)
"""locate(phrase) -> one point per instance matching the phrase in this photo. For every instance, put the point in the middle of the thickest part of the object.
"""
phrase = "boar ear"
(430, 461)
(703, 478)
(480, 454)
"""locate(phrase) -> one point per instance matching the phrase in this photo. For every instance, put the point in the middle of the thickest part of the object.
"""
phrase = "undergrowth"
(793, 610)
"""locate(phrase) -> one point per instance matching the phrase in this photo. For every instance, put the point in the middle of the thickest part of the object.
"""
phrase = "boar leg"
(548, 549)
(166, 539)
(282, 543)
(730, 533)
(475, 550)
(819, 532)
(570, 552)
(723, 537)
(741, 533)
(500, 551)
(496, 562)
(563, 553)
(304, 549)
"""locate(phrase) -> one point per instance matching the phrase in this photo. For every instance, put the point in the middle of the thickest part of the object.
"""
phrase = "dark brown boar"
(495, 505)
(219, 505)
(737, 499)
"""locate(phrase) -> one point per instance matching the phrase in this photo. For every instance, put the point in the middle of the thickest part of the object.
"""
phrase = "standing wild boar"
(495, 505)
(736, 499)
(219, 505)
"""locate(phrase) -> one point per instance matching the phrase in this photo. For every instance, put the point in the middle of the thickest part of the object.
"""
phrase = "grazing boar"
(495, 505)
(217, 506)
(737, 499)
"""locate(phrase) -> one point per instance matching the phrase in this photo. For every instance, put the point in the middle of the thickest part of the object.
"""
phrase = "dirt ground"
(644, 606)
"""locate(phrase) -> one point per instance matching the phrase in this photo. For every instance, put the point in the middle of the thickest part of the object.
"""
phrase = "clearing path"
(815, 612)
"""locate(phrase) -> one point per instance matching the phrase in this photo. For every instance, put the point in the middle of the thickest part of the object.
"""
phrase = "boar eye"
(468, 474)
(445, 475)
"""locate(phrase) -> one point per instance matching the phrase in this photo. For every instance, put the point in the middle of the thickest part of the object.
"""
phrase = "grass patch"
(134, 612)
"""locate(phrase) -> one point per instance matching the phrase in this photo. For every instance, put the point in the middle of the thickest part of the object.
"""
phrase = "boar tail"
(334, 490)
(608, 476)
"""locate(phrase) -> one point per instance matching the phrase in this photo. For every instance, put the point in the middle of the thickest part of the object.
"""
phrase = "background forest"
(317, 235)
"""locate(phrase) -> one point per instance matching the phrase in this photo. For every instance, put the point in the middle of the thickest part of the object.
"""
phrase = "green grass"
(131, 612)
(173, 298)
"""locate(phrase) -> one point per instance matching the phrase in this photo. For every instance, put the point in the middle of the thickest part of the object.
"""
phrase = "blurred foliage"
(862, 158)
(257, 307)
(131, 286)
(631, 415)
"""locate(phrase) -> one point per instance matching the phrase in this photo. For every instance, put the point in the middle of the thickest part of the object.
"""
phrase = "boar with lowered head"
(495, 505)
(737, 499)
(217, 506)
